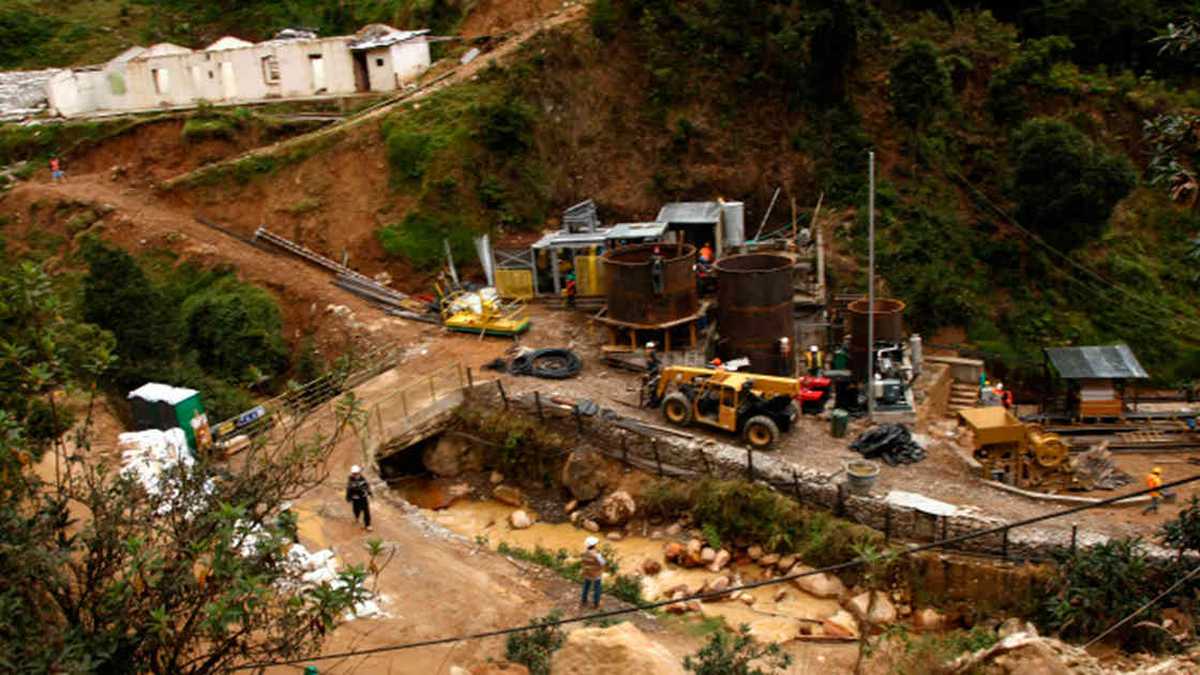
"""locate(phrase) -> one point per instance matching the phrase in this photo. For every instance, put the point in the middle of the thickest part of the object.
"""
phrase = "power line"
(1144, 607)
(855, 562)
(1071, 261)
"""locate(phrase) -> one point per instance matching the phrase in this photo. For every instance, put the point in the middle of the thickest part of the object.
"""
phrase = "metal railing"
(404, 409)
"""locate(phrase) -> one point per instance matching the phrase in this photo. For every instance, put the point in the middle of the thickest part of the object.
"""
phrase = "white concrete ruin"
(294, 65)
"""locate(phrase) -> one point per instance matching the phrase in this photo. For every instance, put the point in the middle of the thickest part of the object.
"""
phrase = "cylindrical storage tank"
(754, 311)
(632, 296)
(889, 327)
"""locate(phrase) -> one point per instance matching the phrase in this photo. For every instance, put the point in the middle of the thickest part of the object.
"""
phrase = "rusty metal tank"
(632, 297)
(754, 296)
(889, 327)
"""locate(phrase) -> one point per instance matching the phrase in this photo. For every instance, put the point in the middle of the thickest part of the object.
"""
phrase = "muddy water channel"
(778, 613)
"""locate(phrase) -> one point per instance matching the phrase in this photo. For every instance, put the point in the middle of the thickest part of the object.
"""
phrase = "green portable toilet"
(162, 407)
(840, 421)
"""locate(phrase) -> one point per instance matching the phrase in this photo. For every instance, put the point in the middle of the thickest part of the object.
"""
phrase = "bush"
(1099, 586)
(235, 330)
(505, 125)
(1007, 89)
(534, 647)
(204, 127)
(418, 238)
(1065, 185)
(118, 297)
(408, 152)
(728, 653)
(930, 653)
(919, 84)
(603, 18)
(1183, 532)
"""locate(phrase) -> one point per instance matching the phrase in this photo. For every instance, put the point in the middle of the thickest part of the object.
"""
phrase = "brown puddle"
(768, 620)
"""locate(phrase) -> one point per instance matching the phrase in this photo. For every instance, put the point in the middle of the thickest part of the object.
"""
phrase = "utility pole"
(871, 287)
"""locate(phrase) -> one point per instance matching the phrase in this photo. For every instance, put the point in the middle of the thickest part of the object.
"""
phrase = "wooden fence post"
(750, 464)
(537, 399)
(796, 485)
(500, 386)
(657, 459)
(470, 380)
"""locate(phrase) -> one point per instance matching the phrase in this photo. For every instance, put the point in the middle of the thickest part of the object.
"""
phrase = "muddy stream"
(770, 620)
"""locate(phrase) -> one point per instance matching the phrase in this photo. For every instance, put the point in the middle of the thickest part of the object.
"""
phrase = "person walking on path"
(1154, 480)
(593, 569)
(358, 493)
(56, 172)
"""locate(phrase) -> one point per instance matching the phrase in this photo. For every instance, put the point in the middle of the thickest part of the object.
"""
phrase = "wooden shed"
(1096, 378)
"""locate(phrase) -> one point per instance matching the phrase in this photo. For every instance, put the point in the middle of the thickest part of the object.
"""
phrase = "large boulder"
(618, 508)
(719, 561)
(452, 456)
(616, 650)
(882, 613)
(507, 494)
(840, 624)
(519, 520)
(819, 585)
(928, 619)
(584, 474)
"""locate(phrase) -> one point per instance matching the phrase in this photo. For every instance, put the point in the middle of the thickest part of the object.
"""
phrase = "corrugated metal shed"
(1096, 363)
(637, 231)
(690, 213)
(379, 35)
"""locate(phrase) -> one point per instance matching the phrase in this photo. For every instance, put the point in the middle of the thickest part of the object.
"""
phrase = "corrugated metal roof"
(637, 230)
(690, 212)
(1105, 362)
(380, 35)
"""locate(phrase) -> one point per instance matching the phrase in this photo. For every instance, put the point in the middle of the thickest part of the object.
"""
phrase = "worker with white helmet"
(358, 493)
(592, 570)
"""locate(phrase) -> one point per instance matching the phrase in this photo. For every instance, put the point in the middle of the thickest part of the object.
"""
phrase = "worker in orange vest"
(1154, 480)
(716, 364)
(706, 253)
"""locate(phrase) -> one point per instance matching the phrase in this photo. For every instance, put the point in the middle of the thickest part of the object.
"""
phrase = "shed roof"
(637, 230)
(1096, 363)
(162, 49)
(378, 35)
(228, 42)
(128, 55)
(165, 393)
(562, 239)
(690, 213)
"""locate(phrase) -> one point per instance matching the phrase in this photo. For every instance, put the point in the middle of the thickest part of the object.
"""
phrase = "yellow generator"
(1012, 452)
(483, 312)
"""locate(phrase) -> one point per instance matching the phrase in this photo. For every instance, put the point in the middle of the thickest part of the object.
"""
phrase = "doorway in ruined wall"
(361, 79)
(316, 65)
(228, 81)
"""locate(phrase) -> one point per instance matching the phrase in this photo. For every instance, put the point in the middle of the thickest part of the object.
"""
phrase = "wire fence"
(409, 407)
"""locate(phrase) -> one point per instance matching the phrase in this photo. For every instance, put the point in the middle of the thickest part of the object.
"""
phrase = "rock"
(617, 508)
(650, 567)
(680, 591)
(674, 552)
(691, 557)
(840, 624)
(747, 599)
(720, 560)
(882, 614)
(707, 555)
(717, 585)
(821, 585)
(574, 517)
(496, 478)
(755, 552)
(929, 619)
(769, 560)
(519, 520)
(571, 506)
(656, 534)
(583, 474)
(780, 596)
(614, 536)
(591, 525)
(452, 455)
(1012, 625)
(786, 563)
(616, 650)
(674, 530)
(507, 494)
(1024, 654)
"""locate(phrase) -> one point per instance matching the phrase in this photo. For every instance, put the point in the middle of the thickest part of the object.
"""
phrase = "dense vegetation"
(187, 327)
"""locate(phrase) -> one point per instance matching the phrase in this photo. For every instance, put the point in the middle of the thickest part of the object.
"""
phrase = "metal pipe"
(871, 287)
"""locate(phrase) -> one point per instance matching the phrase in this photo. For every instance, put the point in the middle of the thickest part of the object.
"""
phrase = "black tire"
(760, 432)
(677, 409)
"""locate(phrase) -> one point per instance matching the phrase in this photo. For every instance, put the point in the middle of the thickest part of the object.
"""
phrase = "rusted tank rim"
(639, 254)
(753, 263)
(883, 306)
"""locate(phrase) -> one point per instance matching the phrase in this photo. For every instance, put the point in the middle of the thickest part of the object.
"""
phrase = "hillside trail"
(512, 41)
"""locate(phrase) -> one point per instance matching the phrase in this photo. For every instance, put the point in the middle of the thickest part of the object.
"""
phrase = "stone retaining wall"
(670, 455)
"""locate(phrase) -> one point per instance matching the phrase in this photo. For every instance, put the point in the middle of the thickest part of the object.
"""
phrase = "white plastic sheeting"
(148, 454)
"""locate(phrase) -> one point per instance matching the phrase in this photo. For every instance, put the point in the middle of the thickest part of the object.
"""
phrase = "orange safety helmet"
(715, 362)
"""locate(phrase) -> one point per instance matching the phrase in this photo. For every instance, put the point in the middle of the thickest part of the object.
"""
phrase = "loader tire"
(760, 432)
(677, 409)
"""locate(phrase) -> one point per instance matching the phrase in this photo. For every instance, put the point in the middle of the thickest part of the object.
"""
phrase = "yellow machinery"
(1019, 454)
(483, 312)
(759, 407)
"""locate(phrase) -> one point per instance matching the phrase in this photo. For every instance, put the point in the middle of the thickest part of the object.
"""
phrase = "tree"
(234, 329)
(729, 653)
(534, 647)
(104, 573)
(919, 84)
(118, 297)
(1099, 586)
(43, 350)
(1183, 532)
(1065, 185)
(833, 48)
